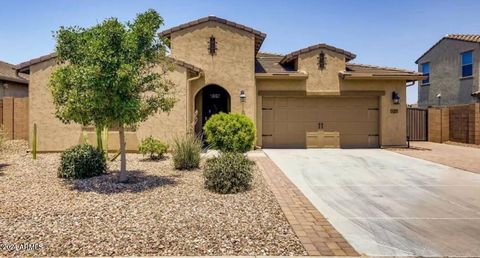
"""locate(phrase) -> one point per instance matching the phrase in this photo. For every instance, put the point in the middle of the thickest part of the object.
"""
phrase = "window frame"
(462, 65)
(425, 82)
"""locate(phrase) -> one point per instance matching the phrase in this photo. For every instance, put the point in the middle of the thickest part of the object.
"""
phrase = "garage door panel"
(268, 102)
(267, 115)
(355, 119)
(281, 102)
(351, 127)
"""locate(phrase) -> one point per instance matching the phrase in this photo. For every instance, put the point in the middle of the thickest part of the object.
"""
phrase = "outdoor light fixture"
(395, 97)
(243, 96)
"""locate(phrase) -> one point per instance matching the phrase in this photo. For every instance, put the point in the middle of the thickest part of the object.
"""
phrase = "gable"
(449, 45)
(259, 36)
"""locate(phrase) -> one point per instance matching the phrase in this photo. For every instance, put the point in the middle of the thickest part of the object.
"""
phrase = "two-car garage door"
(286, 120)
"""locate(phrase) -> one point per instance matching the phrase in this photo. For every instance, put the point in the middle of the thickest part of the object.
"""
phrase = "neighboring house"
(12, 84)
(219, 68)
(452, 67)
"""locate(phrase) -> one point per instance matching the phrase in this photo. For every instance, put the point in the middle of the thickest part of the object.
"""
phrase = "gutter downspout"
(189, 82)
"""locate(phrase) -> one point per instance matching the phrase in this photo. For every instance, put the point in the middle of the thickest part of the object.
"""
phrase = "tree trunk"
(122, 176)
(98, 131)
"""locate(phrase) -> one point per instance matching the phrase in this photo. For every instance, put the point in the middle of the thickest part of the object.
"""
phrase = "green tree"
(112, 74)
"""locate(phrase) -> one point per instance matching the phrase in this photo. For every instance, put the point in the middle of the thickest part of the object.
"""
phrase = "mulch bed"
(161, 212)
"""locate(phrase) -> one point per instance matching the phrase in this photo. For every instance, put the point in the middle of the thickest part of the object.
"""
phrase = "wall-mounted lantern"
(243, 96)
(212, 45)
(395, 97)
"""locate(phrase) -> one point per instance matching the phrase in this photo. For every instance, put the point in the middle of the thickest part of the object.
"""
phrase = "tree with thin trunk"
(112, 75)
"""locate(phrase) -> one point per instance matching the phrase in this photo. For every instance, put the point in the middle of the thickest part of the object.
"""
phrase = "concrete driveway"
(386, 203)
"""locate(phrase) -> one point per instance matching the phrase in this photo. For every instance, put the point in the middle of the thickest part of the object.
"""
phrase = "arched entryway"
(211, 99)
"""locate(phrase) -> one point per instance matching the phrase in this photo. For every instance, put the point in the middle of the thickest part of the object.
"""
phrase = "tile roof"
(474, 38)
(270, 63)
(289, 57)
(25, 66)
(9, 73)
(379, 72)
(259, 36)
(363, 68)
(465, 37)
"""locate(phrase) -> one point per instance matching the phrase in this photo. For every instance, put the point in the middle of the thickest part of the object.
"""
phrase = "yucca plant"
(186, 152)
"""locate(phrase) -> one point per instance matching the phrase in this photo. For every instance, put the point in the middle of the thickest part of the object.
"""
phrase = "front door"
(215, 100)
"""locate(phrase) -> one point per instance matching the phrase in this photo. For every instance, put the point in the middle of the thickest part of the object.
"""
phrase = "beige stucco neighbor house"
(313, 97)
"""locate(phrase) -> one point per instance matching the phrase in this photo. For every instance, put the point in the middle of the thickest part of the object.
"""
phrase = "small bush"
(229, 173)
(82, 161)
(186, 153)
(230, 132)
(152, 147)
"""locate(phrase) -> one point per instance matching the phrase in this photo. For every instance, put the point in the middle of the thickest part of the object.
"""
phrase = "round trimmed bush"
(228, 173)
(230, 132)
(82, 161)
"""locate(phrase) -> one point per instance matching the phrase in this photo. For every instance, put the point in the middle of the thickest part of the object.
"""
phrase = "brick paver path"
(317, 235)
(466, 158)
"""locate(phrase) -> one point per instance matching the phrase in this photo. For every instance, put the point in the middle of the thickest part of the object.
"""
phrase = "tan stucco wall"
(53, 135)
(322, 80)
(167, 126)
(232, 67)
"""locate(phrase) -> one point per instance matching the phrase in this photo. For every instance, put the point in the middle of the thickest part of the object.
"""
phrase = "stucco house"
(452, 69)
(12, 83)
(313, 97)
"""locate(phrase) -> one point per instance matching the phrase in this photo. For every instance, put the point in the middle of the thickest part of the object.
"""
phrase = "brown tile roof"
(8, 73)
(25, 66)
(348, 55)
(259, 36)
(474, 38)
(363, 68)
(270, 63)
(379, 72)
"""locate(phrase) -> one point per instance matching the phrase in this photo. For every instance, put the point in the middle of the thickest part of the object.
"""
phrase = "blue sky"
(387, 33)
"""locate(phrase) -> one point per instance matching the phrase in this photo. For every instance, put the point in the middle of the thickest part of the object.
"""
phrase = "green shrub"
(230, 132)
(82, 161)
(186, 152)
(152, 147)
(228, 173)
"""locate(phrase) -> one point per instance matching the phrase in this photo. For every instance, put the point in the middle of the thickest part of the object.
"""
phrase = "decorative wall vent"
(212, 45)
(321, 61)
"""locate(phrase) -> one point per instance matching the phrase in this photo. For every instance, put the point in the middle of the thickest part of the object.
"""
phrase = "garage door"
(286, 120)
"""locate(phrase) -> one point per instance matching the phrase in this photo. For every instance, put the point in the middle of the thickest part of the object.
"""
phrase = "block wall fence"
(460, 123)
(14, 117)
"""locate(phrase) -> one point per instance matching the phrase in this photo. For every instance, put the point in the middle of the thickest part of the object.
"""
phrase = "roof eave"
(281, 76)
(381, 76)
(10, 79)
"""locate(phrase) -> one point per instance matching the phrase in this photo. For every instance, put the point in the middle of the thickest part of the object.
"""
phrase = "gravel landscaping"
(161, 212)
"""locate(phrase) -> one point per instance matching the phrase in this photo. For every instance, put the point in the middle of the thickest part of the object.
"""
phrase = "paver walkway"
(317, 235)
(465, 158)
